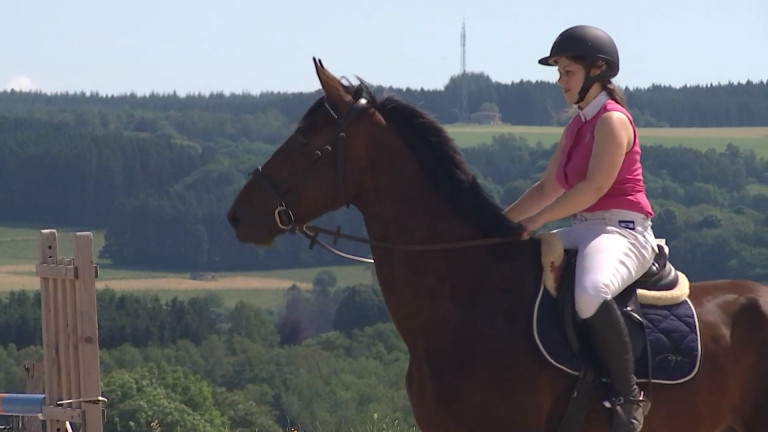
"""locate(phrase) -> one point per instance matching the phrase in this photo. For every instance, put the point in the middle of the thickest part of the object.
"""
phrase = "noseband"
(283, 214)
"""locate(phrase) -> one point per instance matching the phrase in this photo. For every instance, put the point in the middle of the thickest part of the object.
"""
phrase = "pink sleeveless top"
(628, 190)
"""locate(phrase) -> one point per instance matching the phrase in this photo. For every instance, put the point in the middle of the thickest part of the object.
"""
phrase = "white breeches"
(615, 248)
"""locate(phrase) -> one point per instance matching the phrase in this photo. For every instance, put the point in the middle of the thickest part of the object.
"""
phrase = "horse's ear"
(335, 93)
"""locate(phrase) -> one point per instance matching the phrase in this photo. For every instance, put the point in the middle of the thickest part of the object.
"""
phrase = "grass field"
(18, 255)
(748, 138)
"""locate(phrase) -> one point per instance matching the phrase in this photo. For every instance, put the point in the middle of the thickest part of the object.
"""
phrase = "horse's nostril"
(233, 219)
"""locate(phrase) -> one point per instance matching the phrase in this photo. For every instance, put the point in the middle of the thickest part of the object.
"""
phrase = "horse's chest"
(456, 386)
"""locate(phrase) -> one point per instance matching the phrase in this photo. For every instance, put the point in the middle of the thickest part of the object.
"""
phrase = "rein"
(311, 232)
(285, 220)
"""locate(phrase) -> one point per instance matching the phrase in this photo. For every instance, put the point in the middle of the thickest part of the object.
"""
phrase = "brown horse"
(465, 313)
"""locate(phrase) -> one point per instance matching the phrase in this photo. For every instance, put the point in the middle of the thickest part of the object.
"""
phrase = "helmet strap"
(589, 81)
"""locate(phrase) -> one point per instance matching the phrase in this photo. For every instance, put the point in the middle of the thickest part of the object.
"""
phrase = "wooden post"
(49, 287)
(89, 376)
(70, 335)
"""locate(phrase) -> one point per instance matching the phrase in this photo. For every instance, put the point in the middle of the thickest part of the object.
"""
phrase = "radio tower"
(463, 48)
(463, 114)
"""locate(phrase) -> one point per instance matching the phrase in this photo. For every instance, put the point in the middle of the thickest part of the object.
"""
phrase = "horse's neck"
(398, 203)
(423, 289)
(399, 206)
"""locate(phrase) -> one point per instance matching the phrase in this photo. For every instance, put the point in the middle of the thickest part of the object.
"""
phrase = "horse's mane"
(443, 165)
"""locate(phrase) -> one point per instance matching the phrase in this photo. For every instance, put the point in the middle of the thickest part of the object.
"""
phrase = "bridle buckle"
(284, 217)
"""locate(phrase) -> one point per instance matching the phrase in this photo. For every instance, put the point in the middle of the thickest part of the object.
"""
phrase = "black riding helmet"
(589, 46)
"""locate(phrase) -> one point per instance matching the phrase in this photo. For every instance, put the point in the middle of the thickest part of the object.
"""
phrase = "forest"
(329, 360)
(158, 172)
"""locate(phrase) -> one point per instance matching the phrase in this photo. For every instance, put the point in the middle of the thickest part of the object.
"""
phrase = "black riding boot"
(611, 345)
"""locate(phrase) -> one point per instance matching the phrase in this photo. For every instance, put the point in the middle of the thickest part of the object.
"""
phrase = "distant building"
(202, 276)
(485, 117)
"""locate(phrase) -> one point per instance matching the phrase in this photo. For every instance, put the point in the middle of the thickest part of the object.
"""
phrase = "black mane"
(444, 166)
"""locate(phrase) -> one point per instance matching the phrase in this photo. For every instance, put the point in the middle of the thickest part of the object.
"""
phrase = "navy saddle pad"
(673, 333)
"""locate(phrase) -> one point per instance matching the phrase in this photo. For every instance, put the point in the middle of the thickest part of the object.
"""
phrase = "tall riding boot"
(611, 345)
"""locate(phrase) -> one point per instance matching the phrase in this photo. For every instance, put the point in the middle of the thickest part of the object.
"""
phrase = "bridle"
(284, 216)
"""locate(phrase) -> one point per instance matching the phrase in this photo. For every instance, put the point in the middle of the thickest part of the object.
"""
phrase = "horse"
(459, 278)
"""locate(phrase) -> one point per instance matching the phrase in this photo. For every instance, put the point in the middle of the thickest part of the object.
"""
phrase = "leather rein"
(285, 220)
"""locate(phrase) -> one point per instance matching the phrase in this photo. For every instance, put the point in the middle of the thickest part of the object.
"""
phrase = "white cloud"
(19, 83)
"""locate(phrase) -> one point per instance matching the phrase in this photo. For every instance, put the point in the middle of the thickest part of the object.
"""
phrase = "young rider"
(595, 177)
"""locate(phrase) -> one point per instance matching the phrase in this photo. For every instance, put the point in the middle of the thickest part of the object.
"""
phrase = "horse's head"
(312, 172)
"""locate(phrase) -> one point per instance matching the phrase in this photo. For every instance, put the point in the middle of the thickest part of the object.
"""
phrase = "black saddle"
(660, 276)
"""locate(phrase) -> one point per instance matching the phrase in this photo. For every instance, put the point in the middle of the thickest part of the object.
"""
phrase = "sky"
(234, 46)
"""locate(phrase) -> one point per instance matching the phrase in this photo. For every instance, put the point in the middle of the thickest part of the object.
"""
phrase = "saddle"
(661, 322)
(660, 285)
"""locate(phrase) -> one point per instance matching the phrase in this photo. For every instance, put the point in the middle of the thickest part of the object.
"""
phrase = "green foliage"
(686, 166)
(130, 321)
(307, 314)
(489, 107)
(160, 398)
(478, 88)
(324, 279)
(508, 158)
(253, 324)
(20, 319)
(361, 306)
(691, 106)
(143, 320)
(85, 174)
(243, 414)
(331, 382)
(12, 361)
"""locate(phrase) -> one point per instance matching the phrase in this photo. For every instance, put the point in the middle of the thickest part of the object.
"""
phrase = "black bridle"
(284, 216)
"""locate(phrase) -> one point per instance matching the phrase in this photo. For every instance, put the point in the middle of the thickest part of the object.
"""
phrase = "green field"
(18, 246)
(18, 255)
(18, 243)
(747, 138)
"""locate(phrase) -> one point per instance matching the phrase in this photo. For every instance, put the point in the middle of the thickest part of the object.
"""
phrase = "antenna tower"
(463, 114)
(463, 48)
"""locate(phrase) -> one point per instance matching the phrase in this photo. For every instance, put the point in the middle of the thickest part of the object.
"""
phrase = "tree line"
(330, 382)
(521, 103)
(328, 359)
(159, 172)
(142, 320)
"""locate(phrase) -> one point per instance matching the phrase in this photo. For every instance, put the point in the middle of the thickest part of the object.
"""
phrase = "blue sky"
(191, 46)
